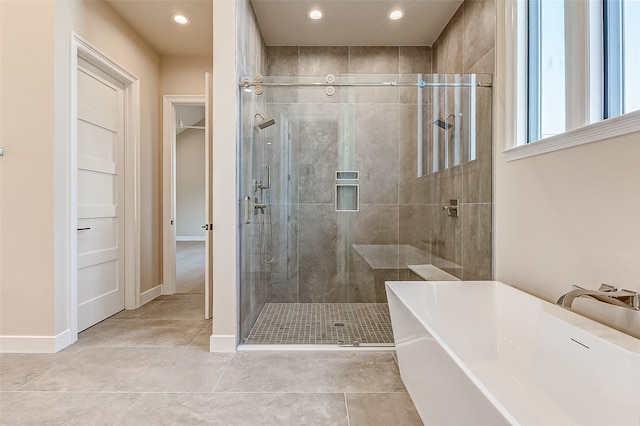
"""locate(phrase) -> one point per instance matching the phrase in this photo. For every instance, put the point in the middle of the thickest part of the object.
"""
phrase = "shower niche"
(347, 192)
(357, 184)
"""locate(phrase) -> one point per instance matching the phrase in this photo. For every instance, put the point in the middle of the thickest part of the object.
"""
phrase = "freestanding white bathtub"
(484, 353)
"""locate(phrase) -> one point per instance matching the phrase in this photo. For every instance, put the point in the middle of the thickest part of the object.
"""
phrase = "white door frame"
(169, 103)
(81, 48)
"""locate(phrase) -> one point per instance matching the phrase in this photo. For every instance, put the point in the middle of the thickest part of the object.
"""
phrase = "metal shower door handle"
(247, 210)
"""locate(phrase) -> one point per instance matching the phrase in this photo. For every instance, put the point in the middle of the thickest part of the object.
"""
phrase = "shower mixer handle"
(257, 184)
(258, 206)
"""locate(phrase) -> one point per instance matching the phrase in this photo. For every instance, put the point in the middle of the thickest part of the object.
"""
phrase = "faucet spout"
(606, 293)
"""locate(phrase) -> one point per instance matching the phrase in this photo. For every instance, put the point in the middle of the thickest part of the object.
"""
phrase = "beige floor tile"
(61, 408)
(97, 369)
(203, 340)
(238, 409)
(18, 369)
(177, 310)
(292, 371)
(190, 266)
(152, 366)
(142, 332)
(381, 409)
(136, 313)
(182, 297)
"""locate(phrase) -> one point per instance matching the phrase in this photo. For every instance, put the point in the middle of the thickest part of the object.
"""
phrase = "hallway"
(152, 366)
(190, 267)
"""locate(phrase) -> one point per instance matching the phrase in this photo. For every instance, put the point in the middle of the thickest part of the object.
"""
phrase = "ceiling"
(152, 20)
(353, 22)
(285, 23)
(189, 115)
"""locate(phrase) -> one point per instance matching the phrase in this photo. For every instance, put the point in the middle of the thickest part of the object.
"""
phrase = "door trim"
(169, 102)
(80, 48)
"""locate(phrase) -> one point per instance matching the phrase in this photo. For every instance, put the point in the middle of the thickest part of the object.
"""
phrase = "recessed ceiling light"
(180, 19)
(396, 14)
(315, 14)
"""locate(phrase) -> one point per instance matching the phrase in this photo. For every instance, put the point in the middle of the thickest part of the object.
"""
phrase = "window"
(546, 52)
(621, 35)
(631, 44)
(581, 63)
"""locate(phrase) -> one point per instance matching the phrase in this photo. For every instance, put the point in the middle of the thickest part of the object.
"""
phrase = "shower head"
(444, 124)
(266, 122)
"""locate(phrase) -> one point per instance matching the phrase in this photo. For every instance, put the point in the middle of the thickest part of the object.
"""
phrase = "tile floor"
(190, 266)
(151, 366)
(322, 323)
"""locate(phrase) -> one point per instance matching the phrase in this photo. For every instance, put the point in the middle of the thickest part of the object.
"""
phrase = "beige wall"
(190, 184)
(34, 254)
(567, 217)
(104, 29)
(26, 170)
(184, 75)
(570, 217)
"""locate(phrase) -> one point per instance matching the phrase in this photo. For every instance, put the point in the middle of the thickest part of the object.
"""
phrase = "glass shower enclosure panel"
(338, 177)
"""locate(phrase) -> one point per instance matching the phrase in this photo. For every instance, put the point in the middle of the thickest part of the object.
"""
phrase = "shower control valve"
(258, 206)
(451, 208)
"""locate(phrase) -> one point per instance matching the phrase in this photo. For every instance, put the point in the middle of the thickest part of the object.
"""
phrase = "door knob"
(83, 229)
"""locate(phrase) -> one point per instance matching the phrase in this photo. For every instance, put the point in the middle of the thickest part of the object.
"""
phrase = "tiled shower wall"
(362, 129)
(467, 45)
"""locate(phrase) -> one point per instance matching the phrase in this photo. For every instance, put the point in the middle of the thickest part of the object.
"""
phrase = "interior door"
(100, 195)
(208, 186)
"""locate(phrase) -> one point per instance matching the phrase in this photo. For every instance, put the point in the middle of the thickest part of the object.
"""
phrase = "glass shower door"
(344, 186)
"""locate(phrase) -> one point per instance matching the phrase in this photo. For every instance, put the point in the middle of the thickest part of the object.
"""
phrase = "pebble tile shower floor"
(322, 323)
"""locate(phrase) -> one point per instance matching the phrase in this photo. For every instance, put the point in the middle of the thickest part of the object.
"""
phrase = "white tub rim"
(600, 331)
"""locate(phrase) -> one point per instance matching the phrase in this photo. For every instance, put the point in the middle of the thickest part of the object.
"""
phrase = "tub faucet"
(606, 293)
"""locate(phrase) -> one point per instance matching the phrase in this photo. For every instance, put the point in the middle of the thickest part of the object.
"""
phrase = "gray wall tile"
(476, 242)
(323, 60)
(479, 30)
(414, 60)
(282, 60)
(374, 60)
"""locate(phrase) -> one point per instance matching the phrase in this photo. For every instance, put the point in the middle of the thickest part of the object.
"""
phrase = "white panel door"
(100, 195)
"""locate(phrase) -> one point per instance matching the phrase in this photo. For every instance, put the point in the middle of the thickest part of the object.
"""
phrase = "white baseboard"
(187, 238)
(224, 343)
(151, 294)
(35, 344)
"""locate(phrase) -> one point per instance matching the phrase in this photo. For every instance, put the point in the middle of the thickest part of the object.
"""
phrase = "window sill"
(596, 132)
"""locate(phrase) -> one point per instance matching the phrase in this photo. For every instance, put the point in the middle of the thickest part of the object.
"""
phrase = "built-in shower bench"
(429, 272)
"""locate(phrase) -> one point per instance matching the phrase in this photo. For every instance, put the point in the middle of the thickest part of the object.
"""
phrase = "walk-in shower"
(345, 178)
